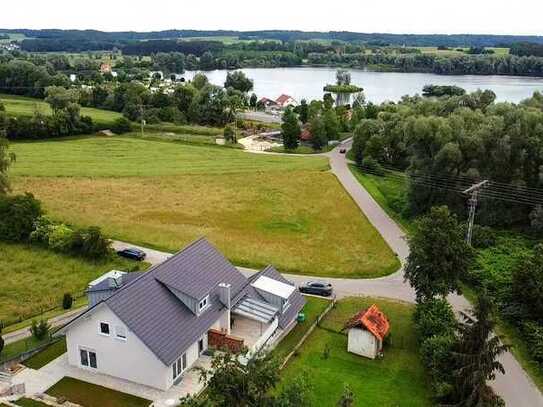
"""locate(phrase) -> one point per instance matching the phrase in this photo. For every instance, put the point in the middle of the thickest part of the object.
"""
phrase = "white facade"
(362, 342)
(126, 358)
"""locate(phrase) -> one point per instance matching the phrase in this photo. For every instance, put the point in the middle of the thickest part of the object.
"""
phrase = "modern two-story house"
(150, 328)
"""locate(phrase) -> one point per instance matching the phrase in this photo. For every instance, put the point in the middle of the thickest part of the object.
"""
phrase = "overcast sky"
(398, 16)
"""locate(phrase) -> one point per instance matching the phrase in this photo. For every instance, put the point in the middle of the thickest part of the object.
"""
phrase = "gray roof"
(162, 321)
(296, 300)
(158, 317)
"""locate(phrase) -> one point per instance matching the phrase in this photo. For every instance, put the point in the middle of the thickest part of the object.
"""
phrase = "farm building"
(366, 332)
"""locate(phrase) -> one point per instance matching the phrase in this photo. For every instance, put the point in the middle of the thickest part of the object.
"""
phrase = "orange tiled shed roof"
(371, 319)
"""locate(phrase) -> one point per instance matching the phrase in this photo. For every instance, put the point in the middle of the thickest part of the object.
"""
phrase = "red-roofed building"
(285, 100)
(366, 332)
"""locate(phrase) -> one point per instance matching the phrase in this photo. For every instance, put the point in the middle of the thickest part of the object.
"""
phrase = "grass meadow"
(257, 209)
(398, 379)
(35, 279)
(24, 106)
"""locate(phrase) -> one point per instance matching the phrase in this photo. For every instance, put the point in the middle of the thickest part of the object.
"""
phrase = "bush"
(534, 337)
(90, 243)
(121, 125)
(434, 317)
(229, 134)
(17, 217)
(61, 238)
(67, 301)
(483, 237)
(436, 356)
(40, 329)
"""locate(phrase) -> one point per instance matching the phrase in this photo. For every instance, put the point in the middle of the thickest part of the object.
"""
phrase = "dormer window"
(203, 304)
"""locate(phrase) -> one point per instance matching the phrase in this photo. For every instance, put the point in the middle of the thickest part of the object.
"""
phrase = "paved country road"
(515, 386)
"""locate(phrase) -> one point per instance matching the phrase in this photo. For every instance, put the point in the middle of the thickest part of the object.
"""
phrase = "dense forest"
(415, 40)
(454, 142)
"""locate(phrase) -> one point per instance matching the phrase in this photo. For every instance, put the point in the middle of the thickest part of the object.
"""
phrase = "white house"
(366, 332)
(151, 327)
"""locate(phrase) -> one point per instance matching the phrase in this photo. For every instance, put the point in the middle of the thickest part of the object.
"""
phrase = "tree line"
(454, 141)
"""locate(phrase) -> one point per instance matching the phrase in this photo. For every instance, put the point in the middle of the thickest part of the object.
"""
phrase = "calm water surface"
(307, 83)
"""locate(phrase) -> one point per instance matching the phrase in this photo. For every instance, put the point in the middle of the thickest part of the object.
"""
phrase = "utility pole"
(473, 191)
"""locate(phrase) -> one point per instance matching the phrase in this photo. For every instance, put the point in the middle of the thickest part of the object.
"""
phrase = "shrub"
(483, 237)
(90, 243)
(60, 238)
(40, 329)
(534, 336)
(229, 134)
(18, 214)
(434, 317)
(121, 125)
(42, 229)
(436, 356)
(67, 301)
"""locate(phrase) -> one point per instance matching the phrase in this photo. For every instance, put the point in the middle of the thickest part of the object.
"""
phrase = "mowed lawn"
(258, 209)
(24, 106)
(398, 379)
(34, 279)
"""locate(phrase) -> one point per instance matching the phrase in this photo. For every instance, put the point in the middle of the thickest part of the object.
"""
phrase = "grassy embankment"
(258, 209)
(397, 379)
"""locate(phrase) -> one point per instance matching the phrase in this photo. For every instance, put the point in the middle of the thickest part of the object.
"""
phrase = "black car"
(343, 151)
(132, 253)
(317, 288)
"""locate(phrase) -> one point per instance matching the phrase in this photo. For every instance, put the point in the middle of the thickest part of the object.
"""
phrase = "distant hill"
(108, 40)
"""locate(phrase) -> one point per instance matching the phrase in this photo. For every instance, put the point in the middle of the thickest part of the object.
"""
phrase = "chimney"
(225, 294)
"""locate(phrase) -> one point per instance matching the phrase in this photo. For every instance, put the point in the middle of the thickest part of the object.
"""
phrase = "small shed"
(366, 332)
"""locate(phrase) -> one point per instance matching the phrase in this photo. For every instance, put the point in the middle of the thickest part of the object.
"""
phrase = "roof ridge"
(154, 267)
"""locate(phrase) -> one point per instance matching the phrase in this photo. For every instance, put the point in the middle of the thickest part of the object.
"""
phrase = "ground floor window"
(88, 358)
(179, 366)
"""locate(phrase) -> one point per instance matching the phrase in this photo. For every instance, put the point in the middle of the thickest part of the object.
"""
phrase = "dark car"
(317, 288)
(132, 253)
(343, 151)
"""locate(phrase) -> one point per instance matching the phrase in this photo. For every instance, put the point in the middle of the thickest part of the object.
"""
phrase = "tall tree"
(6, 158)
(438, 257)
(318, 133)
(303, 111)
(477, 357)
(239, 81)
(290, 129)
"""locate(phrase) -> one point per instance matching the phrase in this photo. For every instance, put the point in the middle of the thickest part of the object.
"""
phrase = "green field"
(34, 279)
(23, 106)
(258, 209)
(398, 379)
(453, 51)
(313, 308)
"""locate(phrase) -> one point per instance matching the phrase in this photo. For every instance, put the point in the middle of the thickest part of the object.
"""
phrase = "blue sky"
(399, 16)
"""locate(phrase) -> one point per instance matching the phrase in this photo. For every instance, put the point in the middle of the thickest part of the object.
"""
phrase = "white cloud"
(400, 16)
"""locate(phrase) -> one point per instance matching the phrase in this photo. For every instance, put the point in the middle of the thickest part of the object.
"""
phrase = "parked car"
(132, 253)
(317, 288)
(343, 151)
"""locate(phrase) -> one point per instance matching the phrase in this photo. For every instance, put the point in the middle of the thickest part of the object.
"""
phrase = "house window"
(104, 328)
(179, 366)
(204, 303)
(88, 358)
(120, 332)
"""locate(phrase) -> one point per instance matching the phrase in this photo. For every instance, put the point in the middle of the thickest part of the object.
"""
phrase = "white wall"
(363, 343)
(130, 360)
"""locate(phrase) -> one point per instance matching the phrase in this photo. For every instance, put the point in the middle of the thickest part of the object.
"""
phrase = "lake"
(307, 83)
